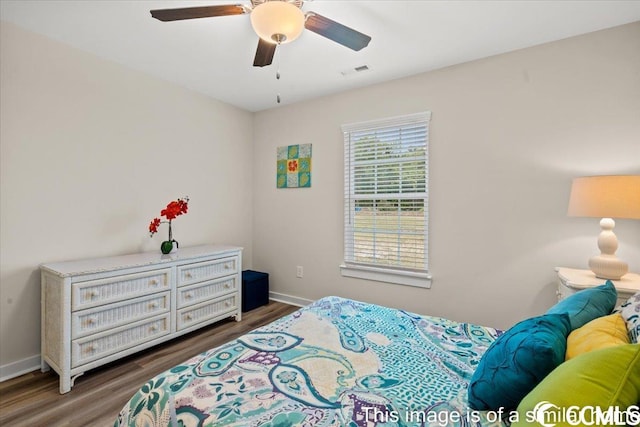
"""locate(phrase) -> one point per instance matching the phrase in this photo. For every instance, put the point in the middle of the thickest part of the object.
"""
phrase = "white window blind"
(386, 197)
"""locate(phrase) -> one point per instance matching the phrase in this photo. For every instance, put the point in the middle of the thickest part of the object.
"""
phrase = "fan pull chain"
(278, 78)
(278, 70)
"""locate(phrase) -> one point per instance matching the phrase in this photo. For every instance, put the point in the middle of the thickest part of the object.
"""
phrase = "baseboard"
(20, 367)
(289, 299)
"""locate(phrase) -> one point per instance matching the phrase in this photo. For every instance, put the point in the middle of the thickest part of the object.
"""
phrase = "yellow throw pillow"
(605, 331)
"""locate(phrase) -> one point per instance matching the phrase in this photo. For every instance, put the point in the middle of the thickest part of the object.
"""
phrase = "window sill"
(407, 278)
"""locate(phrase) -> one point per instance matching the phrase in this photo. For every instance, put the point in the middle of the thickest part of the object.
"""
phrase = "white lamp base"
(607, 265)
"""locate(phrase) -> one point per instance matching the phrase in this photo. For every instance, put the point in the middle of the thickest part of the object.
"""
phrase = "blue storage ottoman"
(255, 289)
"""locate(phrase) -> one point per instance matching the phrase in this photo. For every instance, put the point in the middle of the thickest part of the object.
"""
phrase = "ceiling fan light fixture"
(277, 21)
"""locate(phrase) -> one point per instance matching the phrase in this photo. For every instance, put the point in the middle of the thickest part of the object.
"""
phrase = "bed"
(336, 362)
(340, 362)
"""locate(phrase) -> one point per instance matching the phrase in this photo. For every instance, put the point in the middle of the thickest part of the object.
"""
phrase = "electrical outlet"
(299, 272)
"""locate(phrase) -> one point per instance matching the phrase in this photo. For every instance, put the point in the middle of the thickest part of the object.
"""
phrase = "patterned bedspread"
(336, 362)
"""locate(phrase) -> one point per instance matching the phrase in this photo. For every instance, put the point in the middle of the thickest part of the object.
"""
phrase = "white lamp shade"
(607, 196)
(277, 21)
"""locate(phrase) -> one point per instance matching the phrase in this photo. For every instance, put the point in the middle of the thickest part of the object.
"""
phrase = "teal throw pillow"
(517, 361)
(588, 304)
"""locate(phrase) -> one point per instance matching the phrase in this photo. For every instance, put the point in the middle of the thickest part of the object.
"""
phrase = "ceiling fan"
(275, 21)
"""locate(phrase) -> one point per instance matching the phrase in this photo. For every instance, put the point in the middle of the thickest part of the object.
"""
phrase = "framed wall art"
(293, 166)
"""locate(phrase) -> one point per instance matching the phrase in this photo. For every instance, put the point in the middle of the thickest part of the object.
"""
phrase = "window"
(386, 200)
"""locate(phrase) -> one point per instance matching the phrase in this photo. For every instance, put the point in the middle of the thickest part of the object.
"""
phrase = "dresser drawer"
(193, 294)
(118, 288)
(94, 347)
(202, 312)
(201, 271)
(98, 319)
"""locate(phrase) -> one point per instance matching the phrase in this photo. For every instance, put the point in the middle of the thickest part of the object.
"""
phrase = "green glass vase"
(166, 246)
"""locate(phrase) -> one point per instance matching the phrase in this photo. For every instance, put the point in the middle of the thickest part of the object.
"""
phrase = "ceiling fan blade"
(264, 53)
(197, 12)
(337, 32)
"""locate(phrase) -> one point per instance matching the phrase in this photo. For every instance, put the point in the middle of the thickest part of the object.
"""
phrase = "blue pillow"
(517, 361)
(588, 304)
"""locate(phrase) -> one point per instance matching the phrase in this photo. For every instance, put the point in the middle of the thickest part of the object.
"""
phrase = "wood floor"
(33, 399)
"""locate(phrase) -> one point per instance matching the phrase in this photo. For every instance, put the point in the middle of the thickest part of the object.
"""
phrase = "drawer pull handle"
(188, 275)
(90, 349)
(153, 282)
(153, 328)
(227, 286)
(188, 295)
(92, 294)
(91, 320)
(227, 266)
(227, 304)
(153, 305)
(188, 317)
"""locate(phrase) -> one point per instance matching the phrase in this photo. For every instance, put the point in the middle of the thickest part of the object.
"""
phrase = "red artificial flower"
(153, 227)
(183, 204)
(173, 210)
(293, 165)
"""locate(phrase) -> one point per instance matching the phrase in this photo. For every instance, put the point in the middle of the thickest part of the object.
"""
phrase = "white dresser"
(95, 311)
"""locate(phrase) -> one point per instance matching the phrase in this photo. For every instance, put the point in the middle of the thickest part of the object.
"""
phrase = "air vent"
(355, 70)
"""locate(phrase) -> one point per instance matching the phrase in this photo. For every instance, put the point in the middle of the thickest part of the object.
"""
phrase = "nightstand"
(572, 280)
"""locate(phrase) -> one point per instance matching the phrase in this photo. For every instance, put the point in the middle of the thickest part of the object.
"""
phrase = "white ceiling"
(214, 56)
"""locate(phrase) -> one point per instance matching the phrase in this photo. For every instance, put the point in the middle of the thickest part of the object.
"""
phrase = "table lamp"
(606, 197)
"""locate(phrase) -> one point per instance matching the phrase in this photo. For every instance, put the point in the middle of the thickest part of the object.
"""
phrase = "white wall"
(508, 134)
(90, 153)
